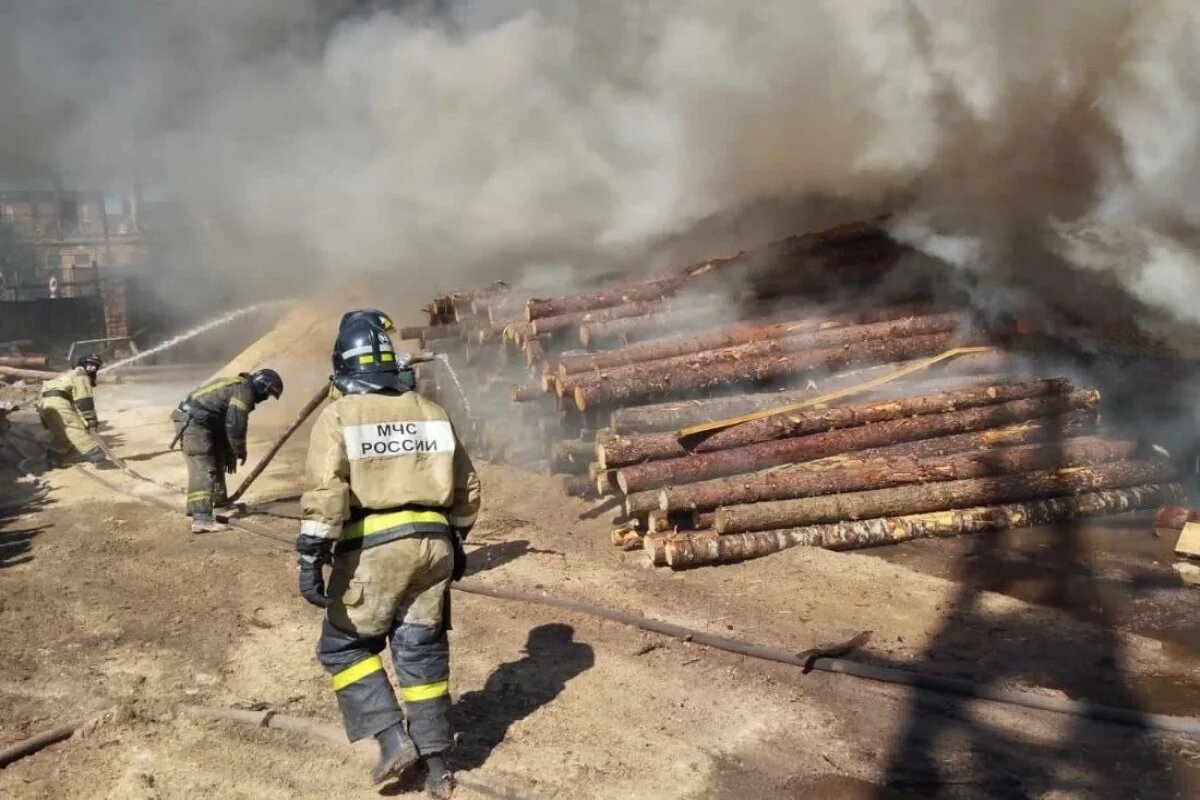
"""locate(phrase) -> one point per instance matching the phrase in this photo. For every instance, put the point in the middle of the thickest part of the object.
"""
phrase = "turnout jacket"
(71, 390)
(223, 402)
(383, 466)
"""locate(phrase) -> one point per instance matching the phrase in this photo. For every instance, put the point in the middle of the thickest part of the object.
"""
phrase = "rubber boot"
(439, 781)
(396, 754)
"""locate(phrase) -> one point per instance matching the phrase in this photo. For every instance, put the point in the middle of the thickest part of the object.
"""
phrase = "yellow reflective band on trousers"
(356, 672)
(426, 691)
(382, 522)
(198, 495)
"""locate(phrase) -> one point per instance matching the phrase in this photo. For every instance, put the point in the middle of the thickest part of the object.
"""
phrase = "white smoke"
(495, 133)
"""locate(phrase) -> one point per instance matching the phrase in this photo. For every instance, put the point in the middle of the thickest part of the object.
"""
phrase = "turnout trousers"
(69, 436)
(205, 454)
(393, 594)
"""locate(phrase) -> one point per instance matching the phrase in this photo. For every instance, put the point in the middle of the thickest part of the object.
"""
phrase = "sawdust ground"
(115, 605)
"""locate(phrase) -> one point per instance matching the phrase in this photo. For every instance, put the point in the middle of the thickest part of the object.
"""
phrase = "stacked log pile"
(866, 422)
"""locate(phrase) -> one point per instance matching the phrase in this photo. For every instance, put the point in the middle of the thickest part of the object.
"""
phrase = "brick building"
(71, 243)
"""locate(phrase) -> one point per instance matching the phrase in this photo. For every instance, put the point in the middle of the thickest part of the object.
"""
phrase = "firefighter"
(379, 320)
(68, 411)
(212, 423)
(390, 496)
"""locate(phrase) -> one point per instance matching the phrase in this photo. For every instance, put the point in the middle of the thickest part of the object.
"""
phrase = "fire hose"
(820, 659)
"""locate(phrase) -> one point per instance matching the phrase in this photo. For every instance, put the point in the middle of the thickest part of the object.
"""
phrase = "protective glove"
(242, 458)
(460, 555)
(93, 427)
(230, 465)
(315, 552)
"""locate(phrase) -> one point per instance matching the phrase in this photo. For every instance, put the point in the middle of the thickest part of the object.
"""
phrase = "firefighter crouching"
(390, 494)
(212, 423)
(67, 408)
(380, 320)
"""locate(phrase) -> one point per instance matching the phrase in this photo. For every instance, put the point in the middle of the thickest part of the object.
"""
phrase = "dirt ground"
(106, 602)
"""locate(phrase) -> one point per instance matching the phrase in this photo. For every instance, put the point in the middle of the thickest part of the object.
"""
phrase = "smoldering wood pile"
(854, 412)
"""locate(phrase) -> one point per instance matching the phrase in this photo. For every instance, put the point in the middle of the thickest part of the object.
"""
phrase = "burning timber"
(882, 432)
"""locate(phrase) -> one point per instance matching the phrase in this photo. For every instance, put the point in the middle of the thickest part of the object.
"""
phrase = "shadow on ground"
(517, 689)
(945, 749)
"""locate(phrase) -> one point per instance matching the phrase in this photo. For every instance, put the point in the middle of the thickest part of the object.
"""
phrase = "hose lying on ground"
(44, 739)
(810, 660)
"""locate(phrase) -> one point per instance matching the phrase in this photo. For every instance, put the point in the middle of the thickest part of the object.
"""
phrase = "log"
(1173, 518)
(1072, 424)
(693, 378)
(524, 393)
(712, 548)
(737, 333)
(620, 451)
(655, 546)
(28, 374)
(673, 415)
(655, 474)
(923, 498)
(654, 289)
(428, 333)
(580, 486)
(25, 362)
(897, 471)
(641, 503)
(622, 332)
(557, 323)
(778, 346)
(573, 451)
(533, 352)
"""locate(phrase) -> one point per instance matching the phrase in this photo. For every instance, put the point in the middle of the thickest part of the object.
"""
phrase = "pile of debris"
(727, 425)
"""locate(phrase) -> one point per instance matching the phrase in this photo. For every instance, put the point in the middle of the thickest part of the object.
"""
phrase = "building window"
(6, 213)
(83, 259)
(85, 214)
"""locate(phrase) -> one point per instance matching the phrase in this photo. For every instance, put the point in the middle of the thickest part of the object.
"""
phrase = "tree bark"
(888, 472)
(641, 503)
(620, 451)
(777, 346)
(671, 416)
(710, 548)
(732, 335)
(580, 486)
(1071, 424)
(556, 323)
(708, 374)
(620, 333)
(655, 289)
(25, 362)
(690, 469)
(923, 498)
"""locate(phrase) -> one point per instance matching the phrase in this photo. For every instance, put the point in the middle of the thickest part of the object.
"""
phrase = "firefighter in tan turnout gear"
(68, 411)
(390, 494)
(212, 424)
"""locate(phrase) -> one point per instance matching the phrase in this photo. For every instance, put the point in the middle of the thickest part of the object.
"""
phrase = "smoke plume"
(481, 137)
